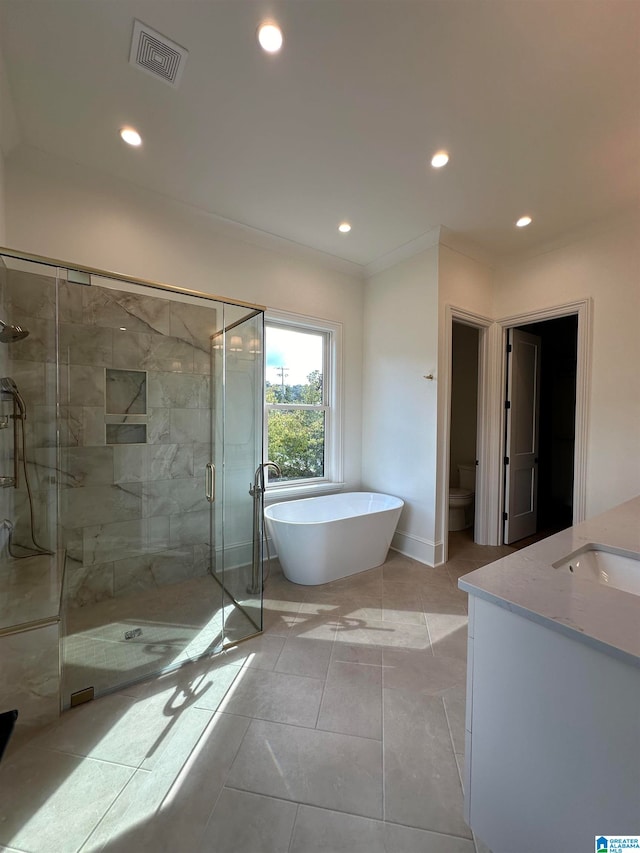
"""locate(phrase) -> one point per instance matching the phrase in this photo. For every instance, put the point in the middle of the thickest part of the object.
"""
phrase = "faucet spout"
(257, 488)
(275, 467)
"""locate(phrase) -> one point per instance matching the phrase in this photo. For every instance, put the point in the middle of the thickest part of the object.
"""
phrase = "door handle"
(210, 482)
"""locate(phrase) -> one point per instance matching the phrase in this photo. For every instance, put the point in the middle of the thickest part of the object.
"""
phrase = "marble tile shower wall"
(132, 516)
(6, 463)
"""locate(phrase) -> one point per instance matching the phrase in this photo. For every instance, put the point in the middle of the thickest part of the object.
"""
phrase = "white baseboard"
(423, 550)
(240, 554)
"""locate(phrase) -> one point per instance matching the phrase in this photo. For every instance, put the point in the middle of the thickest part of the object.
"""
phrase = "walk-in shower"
(132, 418)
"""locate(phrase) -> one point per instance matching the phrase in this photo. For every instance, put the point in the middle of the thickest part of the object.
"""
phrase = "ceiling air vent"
(157, 55)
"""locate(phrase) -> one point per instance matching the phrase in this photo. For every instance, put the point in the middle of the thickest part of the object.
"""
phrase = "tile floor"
(178, 622)
(341, 728)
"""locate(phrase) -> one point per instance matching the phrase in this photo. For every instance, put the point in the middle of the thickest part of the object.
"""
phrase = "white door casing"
(491, 414)
(523, 420)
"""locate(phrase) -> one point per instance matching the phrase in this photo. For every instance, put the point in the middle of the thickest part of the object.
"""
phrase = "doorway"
(552, 494)
(463, 430)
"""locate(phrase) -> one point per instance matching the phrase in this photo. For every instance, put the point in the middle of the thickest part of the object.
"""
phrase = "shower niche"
(138, 485)
(125, 406)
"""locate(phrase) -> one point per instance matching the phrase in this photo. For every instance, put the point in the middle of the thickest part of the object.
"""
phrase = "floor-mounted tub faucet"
(256, 490)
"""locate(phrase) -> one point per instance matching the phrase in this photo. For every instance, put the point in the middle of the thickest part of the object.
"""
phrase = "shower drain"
(135, 632)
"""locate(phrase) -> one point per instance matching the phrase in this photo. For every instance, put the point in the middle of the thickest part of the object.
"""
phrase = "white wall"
(8, 138)
(399, 405)
(465, 283)
(603, 265)
(61, 210)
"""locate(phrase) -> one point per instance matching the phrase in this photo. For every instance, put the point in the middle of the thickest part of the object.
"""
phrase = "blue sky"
(298, 352)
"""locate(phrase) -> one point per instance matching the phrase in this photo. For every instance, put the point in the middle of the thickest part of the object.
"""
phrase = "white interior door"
(523, 415)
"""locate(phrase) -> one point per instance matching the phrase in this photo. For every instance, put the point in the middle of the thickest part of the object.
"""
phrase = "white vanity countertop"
(526, 583)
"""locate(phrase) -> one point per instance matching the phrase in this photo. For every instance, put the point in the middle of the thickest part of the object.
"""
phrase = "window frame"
(331, 405)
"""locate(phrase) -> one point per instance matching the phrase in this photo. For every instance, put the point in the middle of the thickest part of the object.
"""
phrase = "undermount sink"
(619, 569)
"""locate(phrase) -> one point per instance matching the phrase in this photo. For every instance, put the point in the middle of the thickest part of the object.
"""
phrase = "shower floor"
(176, 623)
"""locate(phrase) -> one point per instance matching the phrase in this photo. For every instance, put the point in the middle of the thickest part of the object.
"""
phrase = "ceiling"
(538, 104)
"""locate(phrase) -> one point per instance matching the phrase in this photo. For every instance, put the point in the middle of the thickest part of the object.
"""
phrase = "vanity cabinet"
(553, 737)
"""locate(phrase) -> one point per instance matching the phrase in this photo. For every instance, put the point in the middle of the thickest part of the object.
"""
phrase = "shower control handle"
(210, 482)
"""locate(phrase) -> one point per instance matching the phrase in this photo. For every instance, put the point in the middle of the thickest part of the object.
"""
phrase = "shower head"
(9, 333)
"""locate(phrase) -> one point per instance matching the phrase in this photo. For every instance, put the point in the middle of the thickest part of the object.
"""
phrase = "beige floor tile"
(249, 823)
(406, 669)
(323, 831)
(402, 604)
(115, 728)
(422, 786)
(460, 763)
(457, 568)
(404, 569)
(278, 616)
(448, 634)
(166, 810)
(416, 576)
(365, 608)
(301, 656)
(481, 847)
(438, 600)
(259, 652)
(357, 653)
(331, 658)
(274, 696)
(362, 581)
(455, 709)
(279, 589)
(383, 634)
(184, 687)
(66, 796)
(344, 595)
(320, 626)
(140, 802)
(486, 553)
(352, 700)
(333, 771)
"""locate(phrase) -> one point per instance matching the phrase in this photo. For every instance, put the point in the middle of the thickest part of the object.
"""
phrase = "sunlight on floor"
(342, 675)
(144, 797)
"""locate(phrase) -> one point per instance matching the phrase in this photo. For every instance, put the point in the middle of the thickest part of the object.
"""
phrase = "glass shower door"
(145, 411)
(237, 371)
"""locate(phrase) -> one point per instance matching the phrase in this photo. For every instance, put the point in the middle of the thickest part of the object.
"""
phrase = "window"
(301, 400)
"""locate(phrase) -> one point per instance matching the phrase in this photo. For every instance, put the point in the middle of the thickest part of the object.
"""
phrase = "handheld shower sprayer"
(8, 388)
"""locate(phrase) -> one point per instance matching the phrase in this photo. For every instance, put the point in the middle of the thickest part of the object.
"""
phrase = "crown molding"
(463, 246)
(627, 218)
(36, 160)
(404, 252)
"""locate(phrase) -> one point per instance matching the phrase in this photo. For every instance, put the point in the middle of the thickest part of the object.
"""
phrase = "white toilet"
(461, 498)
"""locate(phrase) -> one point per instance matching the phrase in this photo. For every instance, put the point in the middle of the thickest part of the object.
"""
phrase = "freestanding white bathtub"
(325, 538)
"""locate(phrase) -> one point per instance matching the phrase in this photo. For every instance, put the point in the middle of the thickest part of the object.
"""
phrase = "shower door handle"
(210, 482)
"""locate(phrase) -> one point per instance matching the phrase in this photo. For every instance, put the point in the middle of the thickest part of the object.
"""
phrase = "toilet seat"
(459, 496)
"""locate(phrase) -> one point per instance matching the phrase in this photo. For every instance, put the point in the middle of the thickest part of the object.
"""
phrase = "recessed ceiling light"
(131, 136)
(344, 227)
(524, 221)
(439, 159)
(270, 37)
